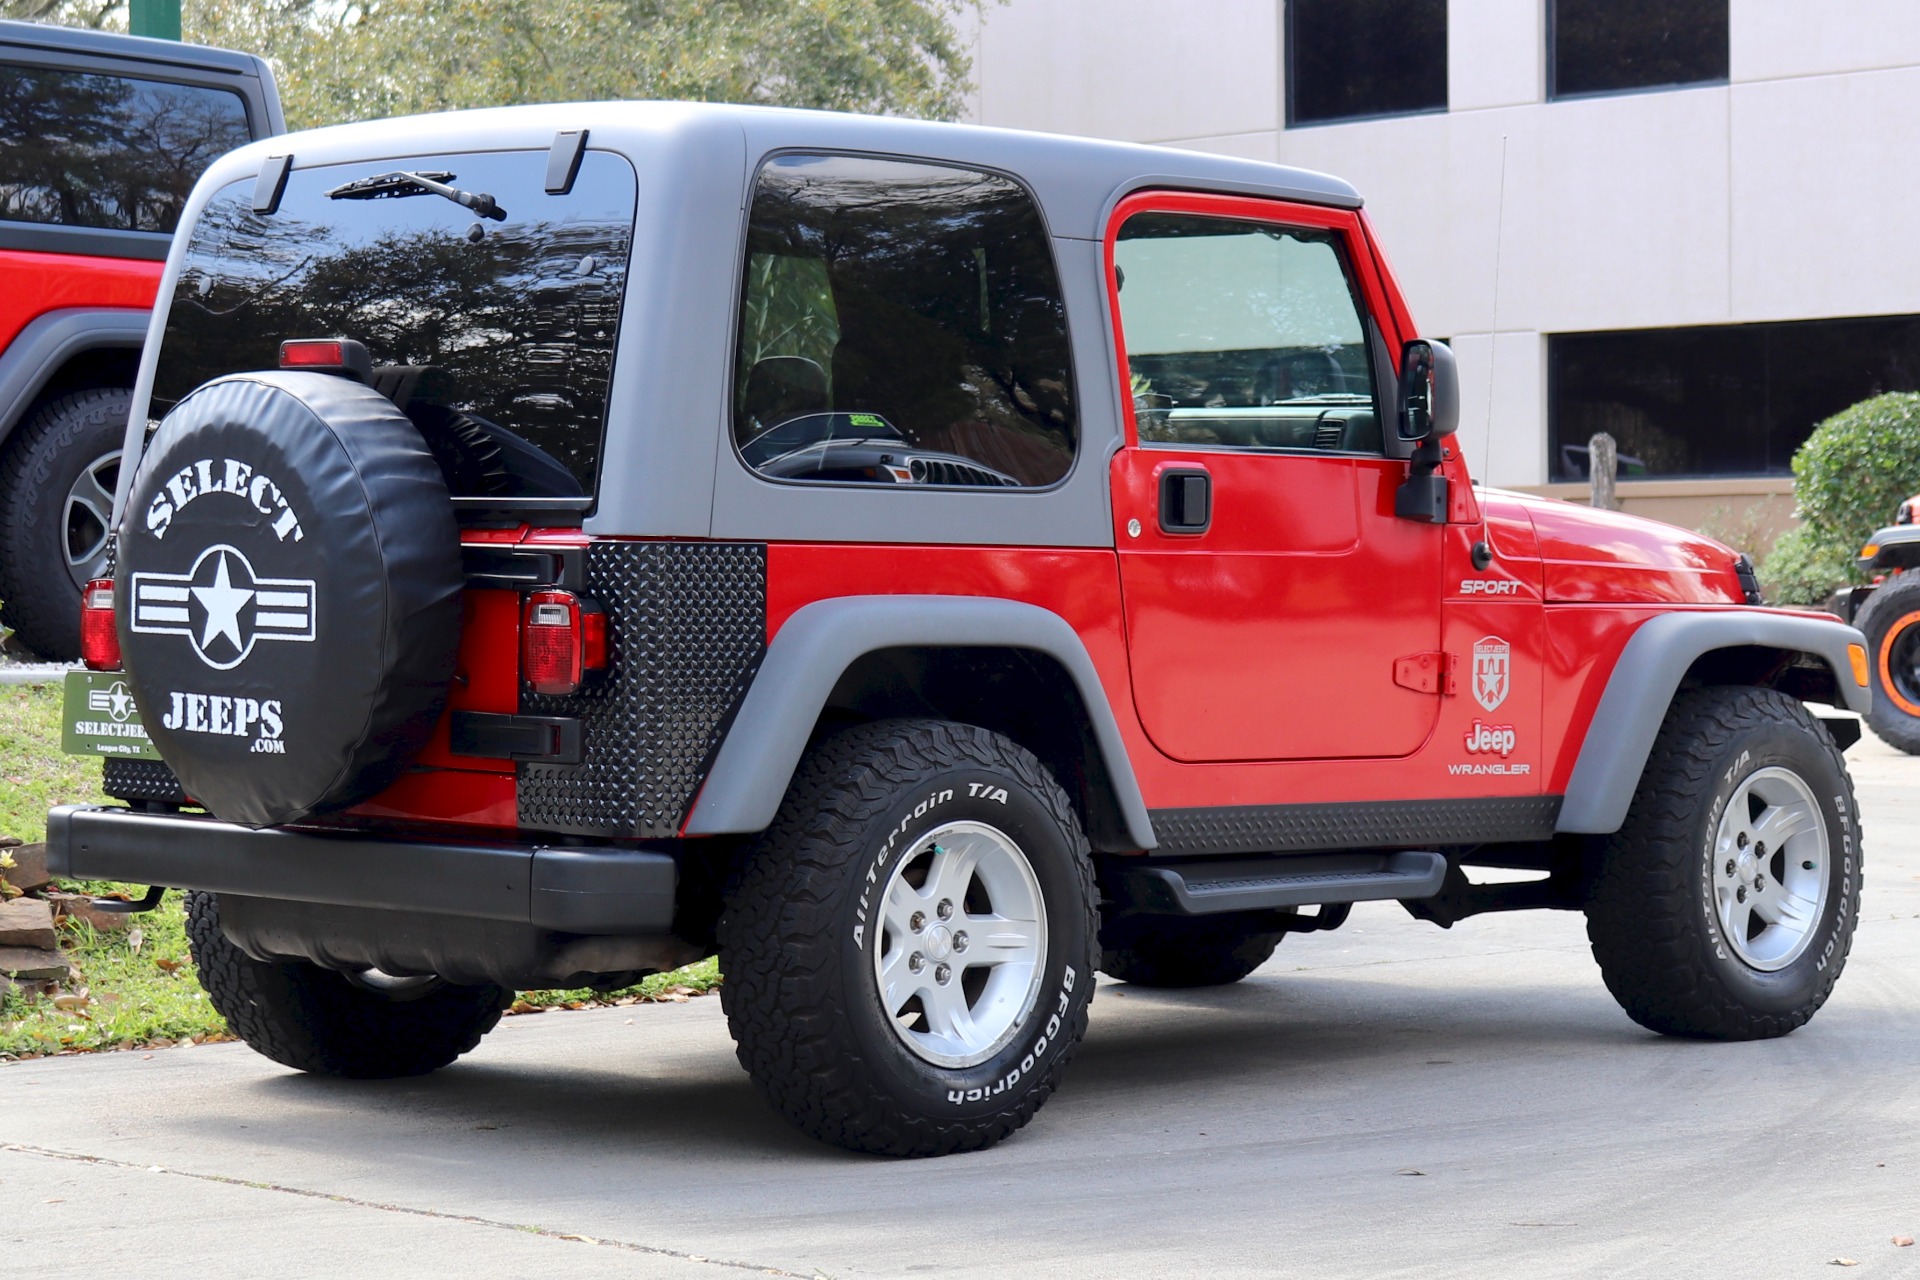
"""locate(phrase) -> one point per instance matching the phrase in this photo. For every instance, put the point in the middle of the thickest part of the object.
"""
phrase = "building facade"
(1693, 224)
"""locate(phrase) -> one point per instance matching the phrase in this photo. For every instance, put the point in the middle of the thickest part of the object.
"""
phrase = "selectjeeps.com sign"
(100, 718)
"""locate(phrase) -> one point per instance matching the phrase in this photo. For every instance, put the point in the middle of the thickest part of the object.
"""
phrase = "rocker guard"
(1643, 685)
(602, 890)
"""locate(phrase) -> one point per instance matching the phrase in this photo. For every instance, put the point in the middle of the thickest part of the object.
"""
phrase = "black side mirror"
(1429, 391)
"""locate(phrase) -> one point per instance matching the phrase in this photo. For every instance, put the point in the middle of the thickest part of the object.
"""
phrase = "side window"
(1243, 335)
(85, 150)
(901, 323)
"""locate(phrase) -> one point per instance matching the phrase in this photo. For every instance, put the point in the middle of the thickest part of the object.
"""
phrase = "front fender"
(1643, 684)
(819, 642)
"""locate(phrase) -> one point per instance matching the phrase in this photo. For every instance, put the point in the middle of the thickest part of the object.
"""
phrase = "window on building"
(1719, 400)
(901, 323)
(1243, 335)
(1611, 46)
(1348, 59)
(84, 150)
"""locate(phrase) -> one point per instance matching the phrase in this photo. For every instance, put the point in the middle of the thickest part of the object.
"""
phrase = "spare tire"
(288, 591)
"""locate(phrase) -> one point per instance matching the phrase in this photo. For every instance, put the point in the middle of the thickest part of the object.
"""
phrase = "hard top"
(111, 44)
(1076, 179)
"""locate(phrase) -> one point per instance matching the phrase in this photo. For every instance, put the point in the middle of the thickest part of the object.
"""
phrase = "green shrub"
(1801, 571)
(1852, 472)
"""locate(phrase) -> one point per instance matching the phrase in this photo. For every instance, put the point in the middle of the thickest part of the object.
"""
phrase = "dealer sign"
(99, 718)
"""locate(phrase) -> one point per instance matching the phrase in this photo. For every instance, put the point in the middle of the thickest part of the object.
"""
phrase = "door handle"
(1186, 500)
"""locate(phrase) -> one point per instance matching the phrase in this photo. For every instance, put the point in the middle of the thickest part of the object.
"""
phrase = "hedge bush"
(1852, 472)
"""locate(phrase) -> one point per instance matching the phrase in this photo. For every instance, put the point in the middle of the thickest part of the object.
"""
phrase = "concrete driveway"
(1387, 1100)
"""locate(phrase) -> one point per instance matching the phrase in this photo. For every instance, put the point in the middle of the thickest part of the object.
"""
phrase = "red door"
(1269, 589)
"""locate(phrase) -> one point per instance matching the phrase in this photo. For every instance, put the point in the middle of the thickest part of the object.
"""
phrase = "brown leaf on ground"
(168, 963)
(1903, 1242)
(523, 1006)
(1842, 1262)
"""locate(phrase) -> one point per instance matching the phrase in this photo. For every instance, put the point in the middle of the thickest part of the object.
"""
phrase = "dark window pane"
(901, 324)
(1720, 400)
(1243, 335)
(85, 150)
(1348, 58)
(1604, 46)
(499, 345)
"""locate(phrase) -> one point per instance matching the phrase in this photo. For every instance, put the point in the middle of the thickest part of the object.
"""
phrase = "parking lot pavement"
(1387, 1100)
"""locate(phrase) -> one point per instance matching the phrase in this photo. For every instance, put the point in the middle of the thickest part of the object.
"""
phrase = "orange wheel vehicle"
(1891, 621)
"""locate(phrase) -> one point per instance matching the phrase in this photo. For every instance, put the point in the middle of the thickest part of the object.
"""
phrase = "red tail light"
(99, 636)
(562, 638)
(328, 355)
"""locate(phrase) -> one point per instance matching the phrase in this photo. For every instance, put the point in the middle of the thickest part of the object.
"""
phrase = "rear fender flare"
(49, 341)
(805, 659)
(1642, 687)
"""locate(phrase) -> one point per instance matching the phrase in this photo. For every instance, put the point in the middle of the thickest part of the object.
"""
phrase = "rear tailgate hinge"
(1426, 673)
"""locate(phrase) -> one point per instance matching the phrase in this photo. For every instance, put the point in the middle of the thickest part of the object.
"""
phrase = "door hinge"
(1426, 673)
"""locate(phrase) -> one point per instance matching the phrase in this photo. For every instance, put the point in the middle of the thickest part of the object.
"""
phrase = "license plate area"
(98, 718)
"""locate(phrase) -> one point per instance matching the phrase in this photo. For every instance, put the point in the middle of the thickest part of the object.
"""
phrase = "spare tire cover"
(288, 594)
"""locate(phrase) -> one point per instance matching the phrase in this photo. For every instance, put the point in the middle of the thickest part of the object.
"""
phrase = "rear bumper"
(599, 890)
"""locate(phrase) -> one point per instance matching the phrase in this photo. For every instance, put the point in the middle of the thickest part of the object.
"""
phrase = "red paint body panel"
(1605, 557)
(32, 284)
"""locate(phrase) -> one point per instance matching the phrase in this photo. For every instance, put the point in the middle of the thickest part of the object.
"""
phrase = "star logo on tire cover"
(223, 607)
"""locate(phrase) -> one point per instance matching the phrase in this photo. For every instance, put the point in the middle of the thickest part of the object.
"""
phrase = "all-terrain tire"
(1180, 951)
(53, 453)
(1890, 620)
(802, 938)
(1651, 914)
(316, 1020)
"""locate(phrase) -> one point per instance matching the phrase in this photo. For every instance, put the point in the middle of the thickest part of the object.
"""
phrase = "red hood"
(1608, 557)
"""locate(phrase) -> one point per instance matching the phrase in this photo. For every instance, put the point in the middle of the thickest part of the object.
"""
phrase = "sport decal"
(1491, 671)
(222, 607)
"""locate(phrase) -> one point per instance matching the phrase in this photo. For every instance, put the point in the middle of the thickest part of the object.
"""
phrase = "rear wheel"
(368, 1026)
(1891, 622)
(1725, 905)
(909, 948)
(1180, 951)
(56, 500)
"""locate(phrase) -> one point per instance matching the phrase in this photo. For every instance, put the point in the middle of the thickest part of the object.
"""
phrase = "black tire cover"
(288, 591)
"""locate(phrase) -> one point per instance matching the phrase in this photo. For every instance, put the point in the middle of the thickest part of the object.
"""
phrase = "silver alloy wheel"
(86, 516)
(963, 944)
(1770, 870)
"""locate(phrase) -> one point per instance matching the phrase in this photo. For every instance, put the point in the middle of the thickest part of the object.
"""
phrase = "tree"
(338, 60)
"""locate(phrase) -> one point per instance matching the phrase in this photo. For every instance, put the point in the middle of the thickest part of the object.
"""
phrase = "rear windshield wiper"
(428, 182)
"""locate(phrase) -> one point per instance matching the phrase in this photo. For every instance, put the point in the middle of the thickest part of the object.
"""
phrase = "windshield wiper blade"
(427, 182)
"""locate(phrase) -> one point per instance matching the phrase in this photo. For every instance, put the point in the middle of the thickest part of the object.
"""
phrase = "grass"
(136, 987)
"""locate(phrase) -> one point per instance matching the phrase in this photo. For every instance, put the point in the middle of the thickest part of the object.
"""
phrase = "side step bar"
(1262, 884)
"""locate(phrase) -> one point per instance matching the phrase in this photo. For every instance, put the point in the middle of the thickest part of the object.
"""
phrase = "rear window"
(85, 150)
(495, 337)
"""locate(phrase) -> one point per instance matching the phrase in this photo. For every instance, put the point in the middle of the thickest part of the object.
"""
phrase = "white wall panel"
(1495, 53)
(1137, 70)
(1770, 39)
(1508, 447)
(1826, 196)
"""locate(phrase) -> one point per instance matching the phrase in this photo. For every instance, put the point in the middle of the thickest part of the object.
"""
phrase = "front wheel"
(910, 947)
(1890, 620)
(1725, 905)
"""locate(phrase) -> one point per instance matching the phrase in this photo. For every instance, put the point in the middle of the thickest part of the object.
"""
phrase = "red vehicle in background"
(101, 138)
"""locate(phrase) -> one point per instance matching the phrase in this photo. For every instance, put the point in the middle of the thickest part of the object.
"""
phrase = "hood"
(1608, 557)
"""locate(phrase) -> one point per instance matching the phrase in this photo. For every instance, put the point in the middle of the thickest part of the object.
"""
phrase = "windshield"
(495, 335)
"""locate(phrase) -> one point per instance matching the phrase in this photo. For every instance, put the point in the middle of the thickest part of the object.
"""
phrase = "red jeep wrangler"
(925, 564)
(101, 138)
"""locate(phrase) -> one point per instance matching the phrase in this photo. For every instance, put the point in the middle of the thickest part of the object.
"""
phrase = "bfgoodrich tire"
(910, 947)
(1891, 623)
(56, 499)
(1725, 906)
(1178, 951)
(317, 1020)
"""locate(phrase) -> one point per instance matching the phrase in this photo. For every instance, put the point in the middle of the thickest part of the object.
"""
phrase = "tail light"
(562, 639)
(99, 636)
(328, 355)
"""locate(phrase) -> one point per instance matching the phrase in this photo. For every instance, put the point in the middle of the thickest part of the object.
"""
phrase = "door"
(1270, 592)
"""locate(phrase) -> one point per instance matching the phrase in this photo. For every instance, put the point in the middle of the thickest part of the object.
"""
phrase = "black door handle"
(1186, 500)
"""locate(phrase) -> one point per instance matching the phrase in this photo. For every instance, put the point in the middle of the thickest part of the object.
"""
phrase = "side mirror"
(1429, 391)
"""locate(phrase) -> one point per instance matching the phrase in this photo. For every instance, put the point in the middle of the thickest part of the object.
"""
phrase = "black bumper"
(598, 890)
